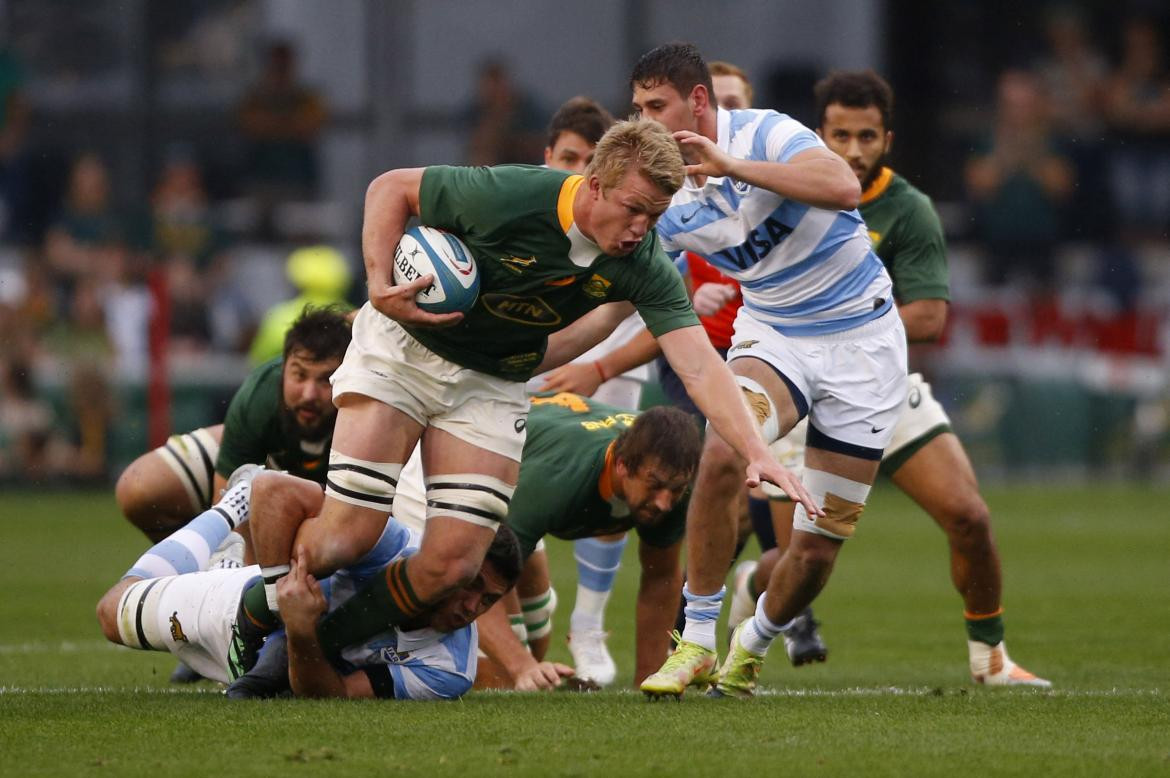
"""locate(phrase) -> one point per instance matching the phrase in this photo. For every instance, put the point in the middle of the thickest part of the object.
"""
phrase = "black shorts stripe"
(473, 487)
(387, 501)
(209, 466)
(365, 471)
(450, 506)
(138, 617)
(797, 398)
(190, 476)
(818, 439)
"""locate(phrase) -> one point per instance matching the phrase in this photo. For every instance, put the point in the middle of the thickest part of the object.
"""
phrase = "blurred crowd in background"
(1055, 195)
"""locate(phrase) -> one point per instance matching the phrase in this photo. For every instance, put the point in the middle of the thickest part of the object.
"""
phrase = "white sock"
(702, 611)
(759, 631)
(271, 575)
(589, 610)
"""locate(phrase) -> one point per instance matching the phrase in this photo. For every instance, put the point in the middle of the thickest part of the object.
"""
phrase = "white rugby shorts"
(852, 383)
(384, 362)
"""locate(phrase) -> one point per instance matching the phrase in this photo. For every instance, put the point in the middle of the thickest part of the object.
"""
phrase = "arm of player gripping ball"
(585, 333)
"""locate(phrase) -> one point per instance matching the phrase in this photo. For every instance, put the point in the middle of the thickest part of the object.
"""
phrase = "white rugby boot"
(591, 657)
(991, 666)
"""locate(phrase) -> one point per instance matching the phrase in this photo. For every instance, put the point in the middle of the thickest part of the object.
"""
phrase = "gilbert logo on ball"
(429, 251)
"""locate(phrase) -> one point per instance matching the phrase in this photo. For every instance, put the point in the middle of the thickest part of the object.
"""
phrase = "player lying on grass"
(590, 470)
(281, 416)
(164, 604)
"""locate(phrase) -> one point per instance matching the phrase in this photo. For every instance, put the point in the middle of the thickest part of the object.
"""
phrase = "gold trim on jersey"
(879, 185)
(565, 201)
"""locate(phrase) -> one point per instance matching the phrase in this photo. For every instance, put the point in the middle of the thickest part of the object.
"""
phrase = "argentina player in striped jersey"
(164, 603)
(766, 203)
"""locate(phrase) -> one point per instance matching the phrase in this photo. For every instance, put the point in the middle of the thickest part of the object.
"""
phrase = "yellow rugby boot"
(739, 672)
(689, 665)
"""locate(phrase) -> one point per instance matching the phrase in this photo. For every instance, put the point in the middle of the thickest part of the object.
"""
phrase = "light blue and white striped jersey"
(424, 664)
(803, 270)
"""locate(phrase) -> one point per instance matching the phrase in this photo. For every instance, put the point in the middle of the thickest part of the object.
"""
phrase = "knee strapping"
(473, 497)
(538, 613)
(137, 619)
(762, 408)
(843, 501)
(361, 482)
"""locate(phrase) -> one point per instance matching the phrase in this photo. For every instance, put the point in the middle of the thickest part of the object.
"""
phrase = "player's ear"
(889, 140)
(700, 99)
(548, 155)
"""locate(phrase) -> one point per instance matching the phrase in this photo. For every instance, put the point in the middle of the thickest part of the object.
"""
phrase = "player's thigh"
(174, 479)
(372, 430)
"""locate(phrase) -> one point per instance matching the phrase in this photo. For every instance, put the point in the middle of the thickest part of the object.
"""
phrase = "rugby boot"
(991, 666)
(247, 640)
(269, 678)
(739, 672)
(689, 665)
(591, 657)
(803, 642)
(742, 604)
(229, 555)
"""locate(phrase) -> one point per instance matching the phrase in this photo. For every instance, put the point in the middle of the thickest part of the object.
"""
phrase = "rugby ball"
(428, 251)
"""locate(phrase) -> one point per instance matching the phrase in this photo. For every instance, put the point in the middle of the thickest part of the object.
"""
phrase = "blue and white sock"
(189, 549)
(702, 611)
(597, 566)
(759, 631)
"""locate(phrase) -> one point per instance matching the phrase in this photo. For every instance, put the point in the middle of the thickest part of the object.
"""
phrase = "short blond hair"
(718, 68)
(644, 144)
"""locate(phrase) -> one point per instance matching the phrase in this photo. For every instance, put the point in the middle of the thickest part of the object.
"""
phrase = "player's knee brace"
(843, 501)
(361, 482)
(473, 497)
(137, 614)
(191, 457)
(538, 613)
(762, 407)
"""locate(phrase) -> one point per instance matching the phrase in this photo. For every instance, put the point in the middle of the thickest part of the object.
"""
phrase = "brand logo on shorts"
(517, 264)
(744, 344)
(177, 634)
(523, 310)
(597, 287)
(520, 425)
(915, 397)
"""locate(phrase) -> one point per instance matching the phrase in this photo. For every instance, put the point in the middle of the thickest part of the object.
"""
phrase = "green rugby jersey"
(907, 237)
(564, 488)
(254, 431)
(537, 272)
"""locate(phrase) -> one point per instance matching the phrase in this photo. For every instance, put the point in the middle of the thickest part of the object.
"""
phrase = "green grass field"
(1087, 582)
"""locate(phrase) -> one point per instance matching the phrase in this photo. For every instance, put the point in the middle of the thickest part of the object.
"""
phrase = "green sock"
(256, 606)
(987, 630)
(385, 601)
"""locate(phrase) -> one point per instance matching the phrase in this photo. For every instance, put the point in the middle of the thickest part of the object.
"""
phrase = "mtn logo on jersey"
(517, 264)
(597, 287)
(760, 241)
(523, 310)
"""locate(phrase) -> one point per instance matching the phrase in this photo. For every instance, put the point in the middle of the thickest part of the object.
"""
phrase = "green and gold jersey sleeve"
(908, 237)
(655, 287)
(249, 417)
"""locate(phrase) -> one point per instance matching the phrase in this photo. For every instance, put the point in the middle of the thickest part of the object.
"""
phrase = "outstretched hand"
(775, 473)
(543, 676)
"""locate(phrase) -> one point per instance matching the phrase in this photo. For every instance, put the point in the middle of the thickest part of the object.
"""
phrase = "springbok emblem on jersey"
(177, 633)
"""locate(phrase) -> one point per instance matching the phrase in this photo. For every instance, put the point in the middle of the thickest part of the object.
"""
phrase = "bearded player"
(925, 458)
